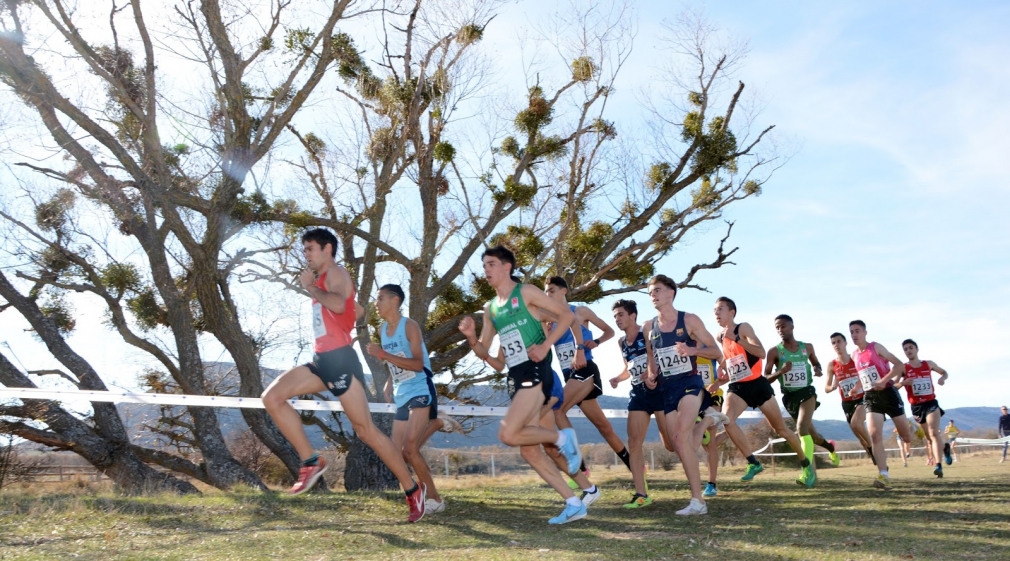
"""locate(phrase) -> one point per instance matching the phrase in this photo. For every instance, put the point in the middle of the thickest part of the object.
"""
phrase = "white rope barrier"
(981, 441)
(257, 403)
(762, 452)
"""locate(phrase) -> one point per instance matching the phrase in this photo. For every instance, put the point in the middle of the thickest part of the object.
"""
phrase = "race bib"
(847, 384)
(566, 354)
(318, 327)
(737, 368)
(637, 368)
(869, 376)
(399, 374)
(705, 370)
(922, 386)
(796, 377)
(513, 347)
(670, 363)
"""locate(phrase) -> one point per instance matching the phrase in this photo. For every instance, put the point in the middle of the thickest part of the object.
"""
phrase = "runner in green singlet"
(790, 362)
(515, 315)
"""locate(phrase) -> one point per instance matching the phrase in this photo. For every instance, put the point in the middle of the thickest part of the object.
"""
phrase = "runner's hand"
(684, 350)
(712, 388)
(879, 385)
(468, 328)
(579, 362)
(590, 344)
(307, 278)
(615, 381)
(722, 374)
(374, 350)
(650, 382)
(539, 352)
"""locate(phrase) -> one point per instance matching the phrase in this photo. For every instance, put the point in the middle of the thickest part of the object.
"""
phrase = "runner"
(409, 386)
(951, 432)
(793, 360)
(708, 370)
(842, 374)
(644, 402)
(582, 376)
(671, 340)
(918, 383)
(515, 313)
(877, 379)
(335, 366)
(741, 367)
(1004, 431)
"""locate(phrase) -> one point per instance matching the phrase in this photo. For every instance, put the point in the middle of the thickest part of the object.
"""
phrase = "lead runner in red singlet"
(335, 367)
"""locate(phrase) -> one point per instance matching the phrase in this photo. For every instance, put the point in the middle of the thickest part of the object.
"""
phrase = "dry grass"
(964, 515)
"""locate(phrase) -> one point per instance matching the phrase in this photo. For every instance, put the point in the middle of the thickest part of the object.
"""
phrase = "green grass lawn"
(966, 515)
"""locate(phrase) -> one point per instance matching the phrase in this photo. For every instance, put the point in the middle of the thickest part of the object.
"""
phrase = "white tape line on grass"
(256, 403)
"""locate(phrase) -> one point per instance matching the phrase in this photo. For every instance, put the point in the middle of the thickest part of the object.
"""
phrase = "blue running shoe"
(570, 513)
(710, 491)
(946, 454)
(571, 451)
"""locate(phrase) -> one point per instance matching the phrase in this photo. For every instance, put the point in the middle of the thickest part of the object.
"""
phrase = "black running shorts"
(335, 368)
(429, 400)
(754, 393)
(529, 374)
(792, 400)
(589, 374)
(922, 410)
(886, 402)
(849, 407)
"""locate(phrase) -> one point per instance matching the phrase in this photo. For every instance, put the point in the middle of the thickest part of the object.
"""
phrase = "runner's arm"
(696, 329)
(650, 369)
(943, 373)
(334, 297)
(750, 342)
(624, 375)
(829, 385)
(771, 361)
(814, 361)
(480, 345)
(559, 312)
(899, 367)
(584, 314)
(496, 362)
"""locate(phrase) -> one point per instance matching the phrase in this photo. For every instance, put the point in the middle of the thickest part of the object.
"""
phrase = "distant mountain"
(485, 429)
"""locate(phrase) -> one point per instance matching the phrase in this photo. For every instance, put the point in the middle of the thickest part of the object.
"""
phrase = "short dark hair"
(664, 280)
(858, 322)
(784, 317)
(395, 290)
(629, 306)
(558, 282)
(504, 255)
(837, 334)
(729, 303)
(321, 236)
(907, 341)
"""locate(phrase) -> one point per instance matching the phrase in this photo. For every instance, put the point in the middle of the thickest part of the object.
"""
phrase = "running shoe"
(882, 482)
(590, 497)
(416, 502)
(307, 477)
(752, 470)
(706, 438)
(638, 501)
(431, 506)
(694, 508)
(449, 424)
(710, 491)
(717, 416)
(833, 454)
(570, 451)
(946, 454)
(807, 477)
(571, 513)
(938, 470)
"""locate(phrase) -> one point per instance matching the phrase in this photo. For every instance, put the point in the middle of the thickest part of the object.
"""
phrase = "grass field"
(966, 515)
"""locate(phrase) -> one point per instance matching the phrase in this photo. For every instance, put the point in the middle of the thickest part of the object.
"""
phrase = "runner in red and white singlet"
(335, 367)
(842, 374)
(918, 382)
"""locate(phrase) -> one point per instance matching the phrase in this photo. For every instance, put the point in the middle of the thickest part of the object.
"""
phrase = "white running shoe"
(449, 424)
(694, 508)
(431, 506)
(717, 416)
(589, 498)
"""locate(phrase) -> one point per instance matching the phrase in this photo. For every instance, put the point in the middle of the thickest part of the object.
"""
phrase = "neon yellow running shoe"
(833, 454)
(638, 501)
(808, 477)
(882, 482)
(706, 438)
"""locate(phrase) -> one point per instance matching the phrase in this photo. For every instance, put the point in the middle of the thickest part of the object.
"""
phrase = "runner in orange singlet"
(335, 367)
(741, 367)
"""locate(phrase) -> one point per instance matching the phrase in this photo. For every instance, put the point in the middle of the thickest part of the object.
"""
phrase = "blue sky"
(890, 209)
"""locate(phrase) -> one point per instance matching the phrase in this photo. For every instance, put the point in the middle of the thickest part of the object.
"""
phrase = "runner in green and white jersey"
(515, 315)
(790, 362)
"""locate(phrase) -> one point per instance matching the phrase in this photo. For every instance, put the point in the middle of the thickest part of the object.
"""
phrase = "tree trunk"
(363, 470)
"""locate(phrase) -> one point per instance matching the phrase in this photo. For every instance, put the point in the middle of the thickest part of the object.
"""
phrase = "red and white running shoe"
(308, 476)
(416, 503)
